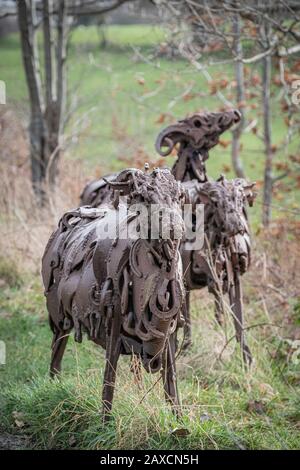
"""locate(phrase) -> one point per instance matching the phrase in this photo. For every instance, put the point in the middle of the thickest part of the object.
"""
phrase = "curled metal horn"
(168, 138)
(165, 142)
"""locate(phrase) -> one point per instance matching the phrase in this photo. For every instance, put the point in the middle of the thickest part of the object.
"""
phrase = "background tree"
(47, 90)
(257, 33)
(47, 109)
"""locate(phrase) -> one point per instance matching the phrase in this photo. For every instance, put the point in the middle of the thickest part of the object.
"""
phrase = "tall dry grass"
(25, 226)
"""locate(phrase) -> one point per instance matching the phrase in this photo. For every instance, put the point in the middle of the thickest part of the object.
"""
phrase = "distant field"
(122, 95)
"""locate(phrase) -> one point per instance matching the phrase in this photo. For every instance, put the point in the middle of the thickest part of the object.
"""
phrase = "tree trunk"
(46, 120)
(50, 82)
(239, 76)
(54, 85)
(268, 176)
(26, 18)
(58, 105)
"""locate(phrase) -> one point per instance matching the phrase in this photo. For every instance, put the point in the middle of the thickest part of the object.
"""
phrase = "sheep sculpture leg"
(235, 298)
(169, 376)
(59, 343)
(113, 348)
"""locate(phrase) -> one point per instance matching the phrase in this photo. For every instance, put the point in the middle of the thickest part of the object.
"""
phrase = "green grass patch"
(224, 406)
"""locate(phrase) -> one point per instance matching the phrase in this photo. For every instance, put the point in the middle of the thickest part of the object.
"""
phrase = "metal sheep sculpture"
(227, 242)
(125, 293)
(228, 246)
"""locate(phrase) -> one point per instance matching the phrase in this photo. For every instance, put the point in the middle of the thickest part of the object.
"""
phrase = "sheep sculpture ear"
(122, 185)
(124, 181)
(250, 195)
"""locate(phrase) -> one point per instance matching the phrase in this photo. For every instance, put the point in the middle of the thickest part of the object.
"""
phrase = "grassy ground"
(225, 407)
(121, 102)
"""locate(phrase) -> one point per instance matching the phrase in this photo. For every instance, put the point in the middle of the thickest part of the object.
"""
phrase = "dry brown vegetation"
(25, 227)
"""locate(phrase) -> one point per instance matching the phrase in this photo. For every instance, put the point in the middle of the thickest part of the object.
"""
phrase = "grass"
(120, 104)
(224, 406)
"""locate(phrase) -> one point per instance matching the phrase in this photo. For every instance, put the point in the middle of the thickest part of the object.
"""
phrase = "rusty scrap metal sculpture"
(227, 243)
(126, 294)
(192, 138)
(226, 252)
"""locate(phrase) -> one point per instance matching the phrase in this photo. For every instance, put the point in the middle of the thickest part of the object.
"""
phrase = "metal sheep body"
(126, 294)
